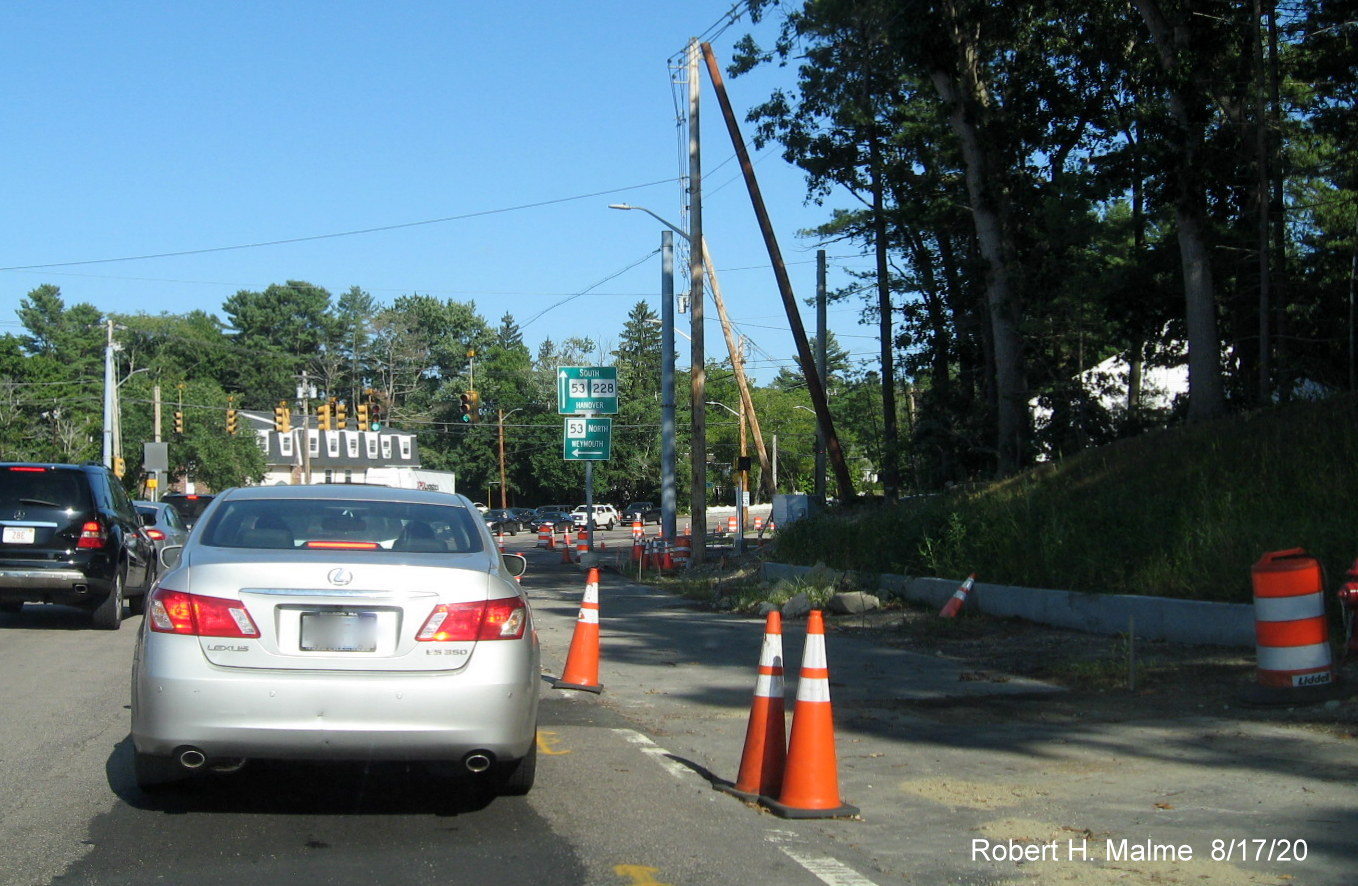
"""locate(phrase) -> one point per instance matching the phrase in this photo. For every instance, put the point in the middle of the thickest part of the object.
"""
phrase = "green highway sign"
(587, 439)
(586, 390)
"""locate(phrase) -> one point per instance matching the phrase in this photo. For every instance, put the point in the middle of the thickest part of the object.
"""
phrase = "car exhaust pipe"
(478, 761)
(192, 758)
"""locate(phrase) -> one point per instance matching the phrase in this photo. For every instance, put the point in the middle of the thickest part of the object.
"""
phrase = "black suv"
(70, 534)
(641, 512)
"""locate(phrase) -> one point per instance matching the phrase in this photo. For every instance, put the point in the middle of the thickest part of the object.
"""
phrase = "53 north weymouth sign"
(584, 392)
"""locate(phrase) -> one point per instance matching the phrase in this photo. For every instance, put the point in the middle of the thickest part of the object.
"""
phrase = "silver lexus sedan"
(337, 622)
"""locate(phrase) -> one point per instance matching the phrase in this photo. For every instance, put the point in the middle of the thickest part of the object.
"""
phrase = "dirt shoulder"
(1107, 678)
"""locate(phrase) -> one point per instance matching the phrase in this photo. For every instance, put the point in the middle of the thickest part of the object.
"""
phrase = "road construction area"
(971, 764)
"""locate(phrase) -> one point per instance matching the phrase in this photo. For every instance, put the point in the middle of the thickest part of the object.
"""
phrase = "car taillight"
(154, 534)
(92, 535)
(503, 619)
(175, 612)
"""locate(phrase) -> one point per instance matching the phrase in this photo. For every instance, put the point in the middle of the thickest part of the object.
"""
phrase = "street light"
(668, 495)
(820, 455)
(503, 488)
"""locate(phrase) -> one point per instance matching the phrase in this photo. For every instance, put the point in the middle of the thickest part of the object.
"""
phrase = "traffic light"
(119, 467)
(282, 418)
(178, 422)
(323, 416)
(475, 404)
(231, 422)
(363, 416)
(465, 407)
(341, 415)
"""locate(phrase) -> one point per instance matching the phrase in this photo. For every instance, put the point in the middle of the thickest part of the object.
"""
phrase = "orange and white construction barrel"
(1292, 635)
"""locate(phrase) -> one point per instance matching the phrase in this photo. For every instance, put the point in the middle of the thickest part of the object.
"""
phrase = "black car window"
(27, 488)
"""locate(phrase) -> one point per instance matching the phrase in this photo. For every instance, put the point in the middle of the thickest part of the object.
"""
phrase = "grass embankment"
(1183, 512)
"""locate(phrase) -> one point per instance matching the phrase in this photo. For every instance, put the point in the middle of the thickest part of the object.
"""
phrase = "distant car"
(162, 524)
(190, 505)
(605, 516)
(502, 521)
(641, 511)
(558, 521)
(337, 623)
(523, 515)
(71, 535)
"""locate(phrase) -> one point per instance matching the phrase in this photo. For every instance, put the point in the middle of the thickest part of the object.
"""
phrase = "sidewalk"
(1192, 799)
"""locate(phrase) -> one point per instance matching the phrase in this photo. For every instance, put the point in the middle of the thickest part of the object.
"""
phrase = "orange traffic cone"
(811, 781)
(959, 596)
(566, 551)
(761, 763)
(582, 662)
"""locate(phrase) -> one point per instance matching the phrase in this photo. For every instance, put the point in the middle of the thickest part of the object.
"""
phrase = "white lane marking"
(656, 752)
(828, 870)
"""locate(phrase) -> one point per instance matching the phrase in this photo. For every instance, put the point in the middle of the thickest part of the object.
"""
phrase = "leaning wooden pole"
(794, 317)
(738, 366)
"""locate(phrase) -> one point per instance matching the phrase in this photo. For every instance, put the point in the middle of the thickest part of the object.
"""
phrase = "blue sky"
(155, 128)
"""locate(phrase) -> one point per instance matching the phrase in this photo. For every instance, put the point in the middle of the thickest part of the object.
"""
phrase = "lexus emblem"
(340, 576)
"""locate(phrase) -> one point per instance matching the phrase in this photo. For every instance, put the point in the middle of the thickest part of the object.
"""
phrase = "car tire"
(156, 773)
(516, 778)
(609, 525)
(108, 615)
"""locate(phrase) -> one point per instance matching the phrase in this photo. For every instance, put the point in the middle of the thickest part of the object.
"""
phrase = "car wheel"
(516, 778)
(609, 525)
(108, 615)
(156, 773)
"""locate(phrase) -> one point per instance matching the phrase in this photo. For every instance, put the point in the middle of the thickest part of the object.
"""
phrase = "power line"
(331, 236)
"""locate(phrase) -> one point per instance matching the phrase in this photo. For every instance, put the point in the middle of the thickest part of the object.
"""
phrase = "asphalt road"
(624, 791)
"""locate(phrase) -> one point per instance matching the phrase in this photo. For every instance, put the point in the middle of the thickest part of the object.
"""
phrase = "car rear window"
(331, 525)
(190, 507)
(42, 487)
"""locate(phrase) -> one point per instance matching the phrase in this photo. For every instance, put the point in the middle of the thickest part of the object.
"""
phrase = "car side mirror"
(515, 564)
(170, 555)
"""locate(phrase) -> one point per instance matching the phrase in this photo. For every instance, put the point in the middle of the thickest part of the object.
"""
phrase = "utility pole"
(737, 353)
(697, 361)
(668, 521)
(820, 368)
(504, 498)
(814, 383)
(304, 394)
(108, 394)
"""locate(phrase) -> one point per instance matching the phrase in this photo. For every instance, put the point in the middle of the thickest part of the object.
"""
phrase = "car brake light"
(175, 612)
(344, 545)
(503, 619)
(154, 534)
(92, 535)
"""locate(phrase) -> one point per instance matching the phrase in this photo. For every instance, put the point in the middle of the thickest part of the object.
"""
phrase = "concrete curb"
(1152, 618)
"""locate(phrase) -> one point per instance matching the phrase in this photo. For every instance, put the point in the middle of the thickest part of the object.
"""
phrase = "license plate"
(19, 535)
(339, 632)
